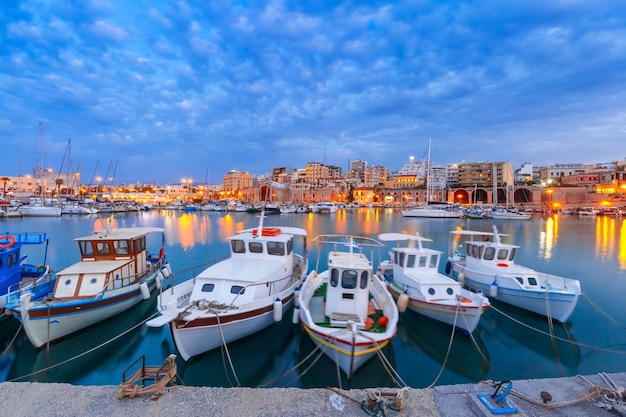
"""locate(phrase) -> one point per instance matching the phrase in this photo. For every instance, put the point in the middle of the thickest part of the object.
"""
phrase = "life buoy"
(267, 231)
(11, 241)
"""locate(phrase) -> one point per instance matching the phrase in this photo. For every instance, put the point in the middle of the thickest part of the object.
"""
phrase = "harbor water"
(508, 344)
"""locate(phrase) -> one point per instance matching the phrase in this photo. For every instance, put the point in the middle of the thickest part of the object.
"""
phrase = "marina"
(508, 343)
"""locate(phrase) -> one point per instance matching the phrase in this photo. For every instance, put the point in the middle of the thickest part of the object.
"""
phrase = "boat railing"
(39, 287)
(292, 277)
(186, 274)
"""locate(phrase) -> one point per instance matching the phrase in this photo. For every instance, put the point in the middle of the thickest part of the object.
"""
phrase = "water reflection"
(549, 237)
(611, 240)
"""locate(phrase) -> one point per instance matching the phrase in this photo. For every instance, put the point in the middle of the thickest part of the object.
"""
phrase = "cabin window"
(422, 263)
(396, 258)
(532, 281)
(480, 252)
(450, 291)
(93, 280)
(468, 250)
(475, 251)
(255, 247)
(208, 287)
(489, 253)
(401, 259)
(410, 261)
(434, 261)
(520, 280)
(237, 289)
(512, 254)
(102, 248)
(139, 244)
(9, 261)
(121, 247)
(0, 262)
(349, 279)
(364, 276)
(15, 258)
(502, 254)
(431, 291)
(276, 248)
(238, 246)
(86, 249)
(68, 281)
(334, 277)
(289, 246)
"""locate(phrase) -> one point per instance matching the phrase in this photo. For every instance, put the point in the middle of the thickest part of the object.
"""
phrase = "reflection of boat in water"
(519, 330)
(317, 370)
(87, 360)
(420, 334)
(278, 355)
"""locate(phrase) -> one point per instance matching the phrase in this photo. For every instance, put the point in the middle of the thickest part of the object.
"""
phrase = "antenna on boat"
(261, 217)
(496, 235)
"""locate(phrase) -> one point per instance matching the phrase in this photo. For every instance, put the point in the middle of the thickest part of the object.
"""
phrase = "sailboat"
(37, 206)
(504, 213)
(433, 209)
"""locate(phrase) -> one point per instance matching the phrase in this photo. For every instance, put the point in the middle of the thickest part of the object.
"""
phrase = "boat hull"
(46, 322)
(207, 333)
(347, 346)
(562, 302)
(464, 315)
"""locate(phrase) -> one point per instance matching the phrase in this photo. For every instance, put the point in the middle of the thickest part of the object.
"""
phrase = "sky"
(161, 91)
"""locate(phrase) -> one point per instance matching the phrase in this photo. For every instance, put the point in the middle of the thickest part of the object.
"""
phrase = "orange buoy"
(267, 231)
(11, 241)
(383, 321)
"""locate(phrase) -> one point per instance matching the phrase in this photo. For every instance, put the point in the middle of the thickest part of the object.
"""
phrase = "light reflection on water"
(592, 250)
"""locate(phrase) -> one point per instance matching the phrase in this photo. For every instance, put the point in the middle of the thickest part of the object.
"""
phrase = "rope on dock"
(162, 376)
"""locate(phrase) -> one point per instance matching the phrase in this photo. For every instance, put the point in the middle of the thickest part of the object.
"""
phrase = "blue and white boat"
(481, 261)
(17, 275)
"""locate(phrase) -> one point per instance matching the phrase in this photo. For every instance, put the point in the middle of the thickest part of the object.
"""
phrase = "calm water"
(508, 344)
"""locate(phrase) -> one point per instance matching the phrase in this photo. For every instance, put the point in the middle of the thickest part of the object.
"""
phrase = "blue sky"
(160, 91)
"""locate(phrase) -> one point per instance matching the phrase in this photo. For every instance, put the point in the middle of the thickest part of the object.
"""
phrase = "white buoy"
(168, 267)
(278, 310)
(403, 302)
(296, 315)
(461, 278)
(158, 280)
(164, 271)
(296, 296)
(493, 289)
(145, 291)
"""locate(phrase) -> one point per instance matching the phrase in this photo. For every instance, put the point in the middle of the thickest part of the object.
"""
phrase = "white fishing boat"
(501, 213)
(114, 273)
(413, 278)
(483, 262)
(346, 309)
(237, 296)
(325, 207)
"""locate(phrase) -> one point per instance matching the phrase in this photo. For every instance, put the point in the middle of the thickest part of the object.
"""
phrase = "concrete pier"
(586, 396)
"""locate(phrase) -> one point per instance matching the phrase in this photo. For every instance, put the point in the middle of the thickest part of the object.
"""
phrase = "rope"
(225, 349)
(86, 352)
(620, 352)
(293, 368)
(445, 361)
(598, 309)
(13, 340)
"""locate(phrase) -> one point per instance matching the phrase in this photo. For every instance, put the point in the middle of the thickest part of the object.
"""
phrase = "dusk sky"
(158, 91)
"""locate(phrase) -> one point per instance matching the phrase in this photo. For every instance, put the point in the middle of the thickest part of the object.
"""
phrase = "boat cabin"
(490, 253)
(109, 260)
(419, 269)
(266, 257)
(347, 294)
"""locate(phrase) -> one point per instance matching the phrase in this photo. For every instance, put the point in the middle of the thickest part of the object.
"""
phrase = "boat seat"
(342, 319)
